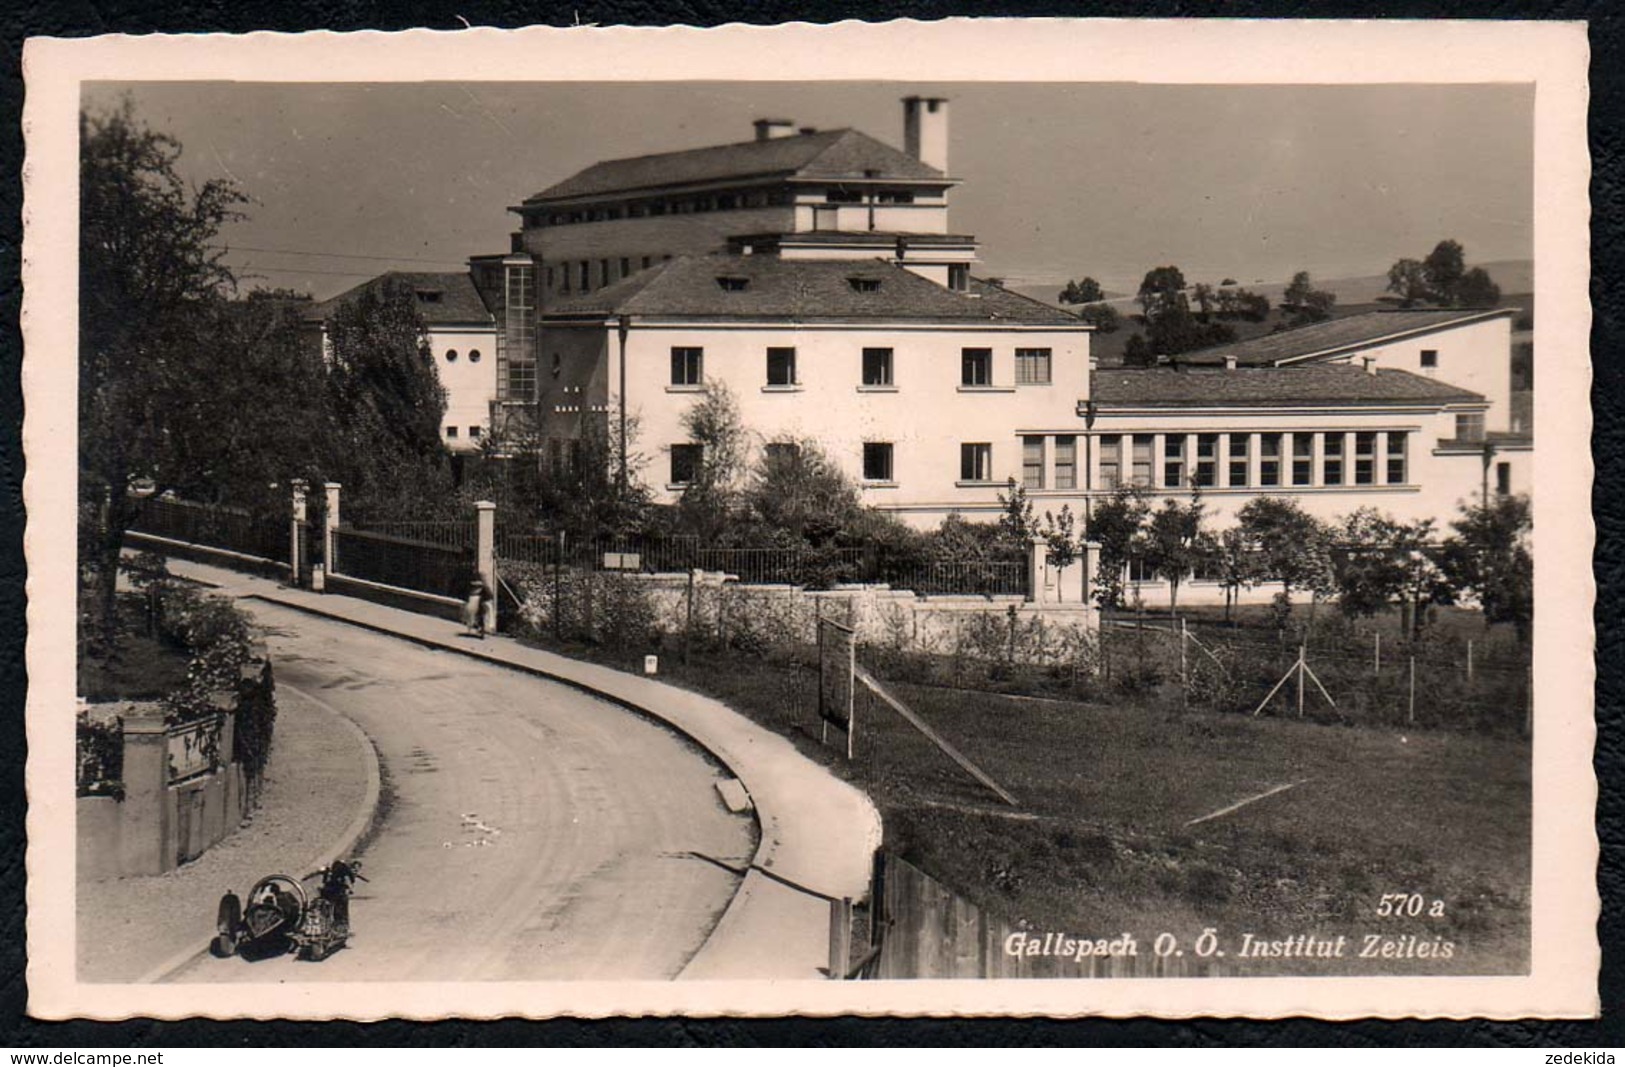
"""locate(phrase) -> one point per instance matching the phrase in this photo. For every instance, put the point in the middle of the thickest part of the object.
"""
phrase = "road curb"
(366, 814)
(766, 822)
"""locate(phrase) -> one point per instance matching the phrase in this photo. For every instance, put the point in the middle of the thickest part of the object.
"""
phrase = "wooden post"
(1411, 714)
(840, 938)
(1184, 675)
(688, 621)
(1469, 661)
(1300, 681)
(1376, 653)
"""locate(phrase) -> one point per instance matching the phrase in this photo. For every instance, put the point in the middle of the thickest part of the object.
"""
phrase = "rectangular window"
(626, 266)
(877, 461)
(1396, 457)
(547, 277)
(976, 463)
(1269, 459)
(1173, 460)
(782, 451)
(1303, 459)
(958, 277)
(474, 432)
(1032, 462)
(603, 272)
(1470, 426)
(976, 366)
(1365, 459)
(781, 366)
(1503, 478)
(687, 366)
(1111, 461)
(1430, 358)
(1239, 443)
(648, 261)
(1207, 460)
(584, 275)
(451, 431)
(1032, 366)
(1331, 445)
(685, 463)
(1141, 472)
(1066, 462)
(516, 354)
(877, 366)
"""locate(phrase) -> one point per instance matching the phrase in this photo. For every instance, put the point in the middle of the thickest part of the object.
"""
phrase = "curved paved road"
(529, 832)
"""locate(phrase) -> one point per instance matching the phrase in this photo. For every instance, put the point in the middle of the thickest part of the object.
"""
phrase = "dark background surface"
(77, 18)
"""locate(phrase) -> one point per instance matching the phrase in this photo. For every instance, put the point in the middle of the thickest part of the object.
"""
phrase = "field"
(1102, 839)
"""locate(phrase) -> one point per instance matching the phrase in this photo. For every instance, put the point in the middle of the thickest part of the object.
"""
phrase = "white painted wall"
(470, 385)
(1477, 356)
(926, 414)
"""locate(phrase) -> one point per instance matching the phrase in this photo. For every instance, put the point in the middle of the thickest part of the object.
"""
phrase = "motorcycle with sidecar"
(283, 916)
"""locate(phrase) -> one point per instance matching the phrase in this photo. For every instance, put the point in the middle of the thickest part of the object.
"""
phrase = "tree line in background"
(1179, 317)
(185, 387)
(1368, 561)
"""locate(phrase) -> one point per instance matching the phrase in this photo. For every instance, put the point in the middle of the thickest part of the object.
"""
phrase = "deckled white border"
(1554, 56)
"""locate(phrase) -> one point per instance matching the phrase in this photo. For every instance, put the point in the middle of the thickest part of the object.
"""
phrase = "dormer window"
(864, 285)
(732, 283)
(428, 296)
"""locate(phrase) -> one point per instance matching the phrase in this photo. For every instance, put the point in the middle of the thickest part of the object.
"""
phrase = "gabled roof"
(827, 154)
(768, 288)
(1340, 336)
(1317, 384)
(444, 297)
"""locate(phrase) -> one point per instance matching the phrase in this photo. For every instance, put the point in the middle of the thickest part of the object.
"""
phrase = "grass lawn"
(1100, 843)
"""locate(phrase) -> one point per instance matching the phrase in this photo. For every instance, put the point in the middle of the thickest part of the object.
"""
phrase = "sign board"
(837, 660)
(623, 561)
(193, 748)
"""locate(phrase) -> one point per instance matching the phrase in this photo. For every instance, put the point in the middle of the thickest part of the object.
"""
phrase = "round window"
(451, 355)
(474, 355)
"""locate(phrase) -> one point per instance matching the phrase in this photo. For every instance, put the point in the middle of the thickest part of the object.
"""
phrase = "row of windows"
(473, 355)
(585, 275)
(1247, 460)
(1033, 366)
(473, 433)
(975, 461)
(706, 202)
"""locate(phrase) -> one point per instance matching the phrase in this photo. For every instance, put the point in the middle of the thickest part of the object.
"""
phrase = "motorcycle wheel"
(223, 946)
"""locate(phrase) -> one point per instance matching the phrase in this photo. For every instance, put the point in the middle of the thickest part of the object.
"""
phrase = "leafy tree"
(1205, 300)
(1290, 545)
(1177, 331)
(1017, 526)
(1103, 317)
(1380, 561)
(1304, 303)
(1137, 352)
(1116, 524)
(1236, 564)
(1173, 545)
(712, 496)
(1443, 279)
(149, 274)
(1408, 279)
(1476, 290)
(385, 400)
(800, 492)
(1061, 548)
(1161, 291)
(1488, 557)
(1087, 291)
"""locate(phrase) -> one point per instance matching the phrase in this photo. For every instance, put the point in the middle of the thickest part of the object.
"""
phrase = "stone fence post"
(1039, 588)
(485, 557)
(1090, 560)
(296, 564)
(146, 842)
(330, 523)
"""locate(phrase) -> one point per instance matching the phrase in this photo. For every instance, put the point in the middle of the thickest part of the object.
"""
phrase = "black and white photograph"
(767, 520)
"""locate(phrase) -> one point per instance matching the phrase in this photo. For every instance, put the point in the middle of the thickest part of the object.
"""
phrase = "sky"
(1059, 180)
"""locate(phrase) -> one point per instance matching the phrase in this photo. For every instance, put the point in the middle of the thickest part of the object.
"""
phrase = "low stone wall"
(220, 557)
(169, 813)
(729, 612)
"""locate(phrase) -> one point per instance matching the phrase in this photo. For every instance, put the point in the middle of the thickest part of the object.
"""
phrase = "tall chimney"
(769, 129)
(1370, 363)
(925, 130)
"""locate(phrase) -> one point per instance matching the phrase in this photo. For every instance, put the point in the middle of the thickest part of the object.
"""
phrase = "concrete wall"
(1477, 356)
(470, 383)
(926, 414)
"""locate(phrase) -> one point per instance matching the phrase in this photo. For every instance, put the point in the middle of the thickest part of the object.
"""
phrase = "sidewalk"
(816, 831)
(321, 790)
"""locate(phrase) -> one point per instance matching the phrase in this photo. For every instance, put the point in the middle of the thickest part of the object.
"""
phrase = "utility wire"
(336, 255)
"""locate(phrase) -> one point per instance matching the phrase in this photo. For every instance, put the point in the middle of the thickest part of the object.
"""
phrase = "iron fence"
(214, 526)
(445, 534)
(960, 577)
(403, 562)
